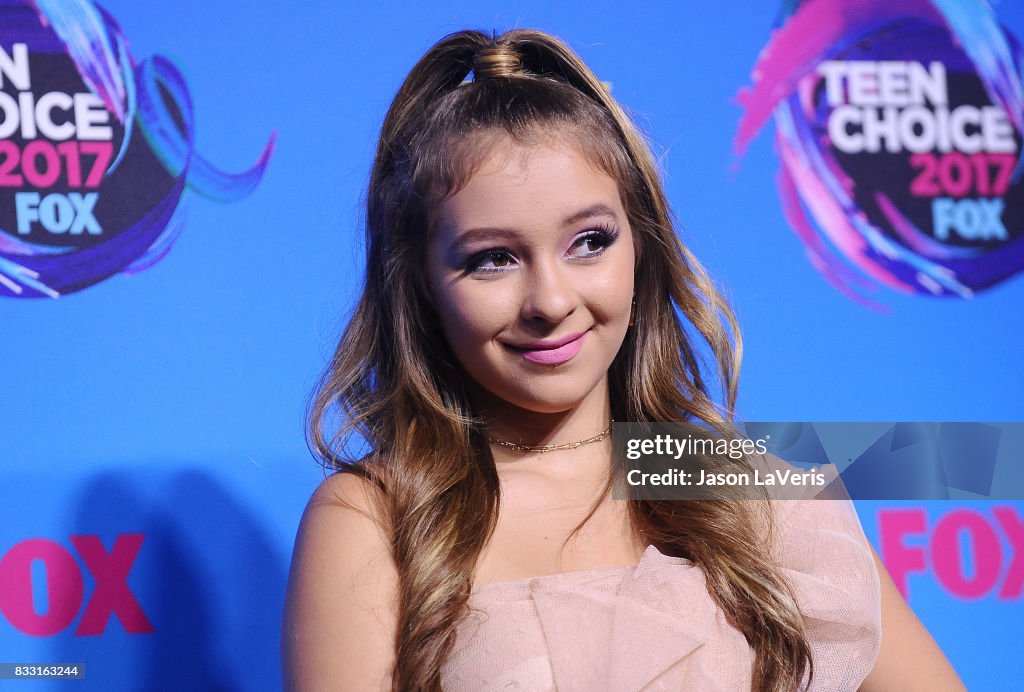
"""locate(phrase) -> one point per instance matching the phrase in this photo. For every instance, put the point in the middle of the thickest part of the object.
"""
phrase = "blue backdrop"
(169, 403)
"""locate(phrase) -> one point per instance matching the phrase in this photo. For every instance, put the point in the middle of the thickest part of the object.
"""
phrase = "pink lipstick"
(552, 353)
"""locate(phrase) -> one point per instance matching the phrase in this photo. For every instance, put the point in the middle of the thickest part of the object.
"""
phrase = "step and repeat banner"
(180, 243)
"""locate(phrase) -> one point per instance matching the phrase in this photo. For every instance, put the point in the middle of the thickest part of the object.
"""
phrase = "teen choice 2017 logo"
(96, 151)
(898, 126)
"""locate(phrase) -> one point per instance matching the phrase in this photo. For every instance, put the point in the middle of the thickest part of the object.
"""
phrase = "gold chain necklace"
(550, 448)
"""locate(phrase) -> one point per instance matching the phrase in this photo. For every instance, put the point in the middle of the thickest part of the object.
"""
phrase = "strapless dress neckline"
(654, 625)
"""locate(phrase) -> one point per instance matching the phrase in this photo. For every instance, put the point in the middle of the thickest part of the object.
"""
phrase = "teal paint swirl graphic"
(898, 127)
(96, 151)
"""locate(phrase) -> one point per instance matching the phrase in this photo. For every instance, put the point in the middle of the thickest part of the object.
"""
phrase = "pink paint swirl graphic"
(898, 127)
(96, 151)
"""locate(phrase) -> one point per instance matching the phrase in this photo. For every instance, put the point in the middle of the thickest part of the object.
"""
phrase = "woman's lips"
(551, 356)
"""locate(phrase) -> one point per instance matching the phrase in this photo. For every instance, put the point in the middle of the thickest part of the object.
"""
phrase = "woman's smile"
(559, 351)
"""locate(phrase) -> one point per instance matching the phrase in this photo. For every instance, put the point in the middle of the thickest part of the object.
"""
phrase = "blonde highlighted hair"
(394, 382)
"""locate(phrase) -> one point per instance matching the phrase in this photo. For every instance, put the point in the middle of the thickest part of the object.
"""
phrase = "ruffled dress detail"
(654, 626)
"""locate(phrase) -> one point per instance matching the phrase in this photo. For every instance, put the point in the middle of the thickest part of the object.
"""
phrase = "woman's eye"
(490, 260)
(595, 242)
(499, 259)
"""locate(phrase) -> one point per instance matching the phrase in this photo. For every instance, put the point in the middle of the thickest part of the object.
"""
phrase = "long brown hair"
(395, 383)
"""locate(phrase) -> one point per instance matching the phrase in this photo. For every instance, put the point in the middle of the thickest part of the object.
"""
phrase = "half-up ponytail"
(396, 383)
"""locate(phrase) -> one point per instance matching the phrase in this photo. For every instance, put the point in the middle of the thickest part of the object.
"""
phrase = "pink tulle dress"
(654, 626)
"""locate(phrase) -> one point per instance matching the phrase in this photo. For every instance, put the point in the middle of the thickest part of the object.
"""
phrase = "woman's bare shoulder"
(339, 618)
(347, 490)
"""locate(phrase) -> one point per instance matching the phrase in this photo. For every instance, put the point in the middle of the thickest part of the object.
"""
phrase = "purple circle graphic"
(96, 151)
(898, 126)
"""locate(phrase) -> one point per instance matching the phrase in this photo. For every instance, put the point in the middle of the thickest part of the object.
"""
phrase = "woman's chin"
(551, 402)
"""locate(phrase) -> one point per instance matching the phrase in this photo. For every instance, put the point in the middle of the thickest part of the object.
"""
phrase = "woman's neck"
(522, 426)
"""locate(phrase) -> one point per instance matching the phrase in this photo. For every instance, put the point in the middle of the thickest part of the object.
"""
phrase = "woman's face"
(531, 272)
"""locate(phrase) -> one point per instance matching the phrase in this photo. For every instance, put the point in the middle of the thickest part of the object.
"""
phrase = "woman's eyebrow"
(599, 209)
(491, 233)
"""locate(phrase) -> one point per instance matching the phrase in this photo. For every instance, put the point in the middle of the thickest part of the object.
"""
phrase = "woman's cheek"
(487, 308)
(465, 324)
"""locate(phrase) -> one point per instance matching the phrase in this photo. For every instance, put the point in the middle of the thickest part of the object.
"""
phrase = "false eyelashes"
(602, 236)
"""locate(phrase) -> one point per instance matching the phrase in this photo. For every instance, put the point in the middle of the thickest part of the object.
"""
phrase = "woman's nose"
(548, 293)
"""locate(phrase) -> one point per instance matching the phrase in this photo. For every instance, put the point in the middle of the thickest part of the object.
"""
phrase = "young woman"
(524, 288)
